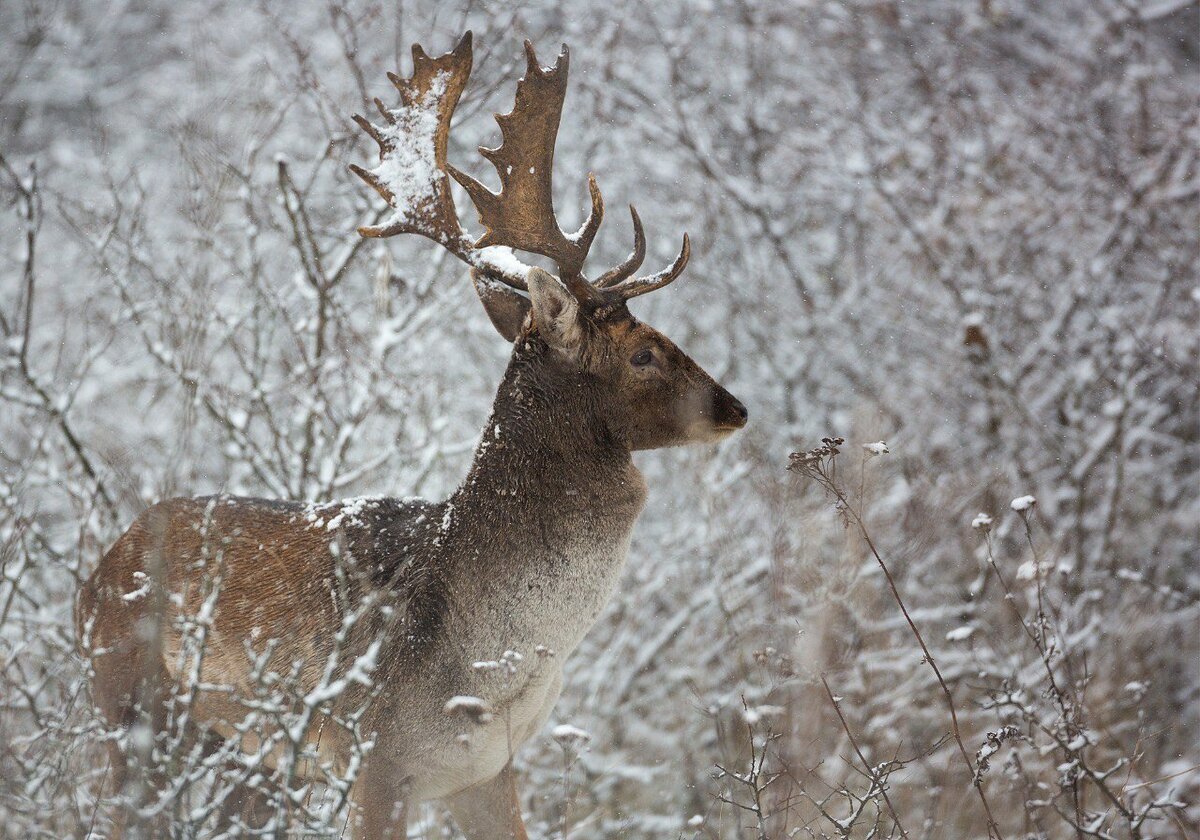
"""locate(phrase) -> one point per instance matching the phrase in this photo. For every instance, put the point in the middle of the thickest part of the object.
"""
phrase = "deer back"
(255, 577)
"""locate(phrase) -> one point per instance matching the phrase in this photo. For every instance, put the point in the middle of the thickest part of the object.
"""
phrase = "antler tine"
(521, 215)
(366, 126)
(587, 231)
(633, 262)
(631, 288)
(412, 172)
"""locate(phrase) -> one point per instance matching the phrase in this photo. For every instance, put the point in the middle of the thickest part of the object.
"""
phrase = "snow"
(409, 169)
(1079, 742)
(959, 634)
(503, 259)
(1023, 503)
(475, 708)
(342, 512)
(981, 522)
(508, 663)
(351, 510)
(877, 448)
(570, 737)
(464, 702)
(143, 589)
(754, 714)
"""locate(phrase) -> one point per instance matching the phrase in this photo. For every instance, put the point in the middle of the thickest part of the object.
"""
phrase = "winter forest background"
(967, 228)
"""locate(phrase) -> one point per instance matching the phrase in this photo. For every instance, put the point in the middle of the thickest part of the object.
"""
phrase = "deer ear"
(555, 310)
(504, 305)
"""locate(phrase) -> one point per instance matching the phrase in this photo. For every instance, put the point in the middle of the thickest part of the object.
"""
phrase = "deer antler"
(521, 215)
(412, 178)
(411, 175)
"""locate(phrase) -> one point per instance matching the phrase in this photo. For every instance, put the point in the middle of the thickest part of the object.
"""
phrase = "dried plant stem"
(872, 774)
(1009, 598)
(819, 465)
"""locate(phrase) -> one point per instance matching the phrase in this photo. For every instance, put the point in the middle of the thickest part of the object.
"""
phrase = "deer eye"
(642, 358)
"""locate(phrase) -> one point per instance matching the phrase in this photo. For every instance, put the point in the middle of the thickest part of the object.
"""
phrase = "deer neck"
(538, 532)
(547, 452)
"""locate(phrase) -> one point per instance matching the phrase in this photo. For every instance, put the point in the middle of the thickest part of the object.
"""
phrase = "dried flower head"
(829, 448)
(570, 737)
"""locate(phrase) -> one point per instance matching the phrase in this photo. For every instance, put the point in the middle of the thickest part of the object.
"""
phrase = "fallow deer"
(521, 557)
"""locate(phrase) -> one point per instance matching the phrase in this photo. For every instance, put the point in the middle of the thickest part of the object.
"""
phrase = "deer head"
(651, 394)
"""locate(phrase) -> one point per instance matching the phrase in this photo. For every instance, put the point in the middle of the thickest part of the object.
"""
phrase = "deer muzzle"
(728, 412)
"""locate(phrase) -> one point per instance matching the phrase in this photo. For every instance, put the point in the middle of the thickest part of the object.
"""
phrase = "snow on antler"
(409, 171)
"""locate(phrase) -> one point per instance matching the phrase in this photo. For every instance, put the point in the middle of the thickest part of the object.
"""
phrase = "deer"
(520, 558)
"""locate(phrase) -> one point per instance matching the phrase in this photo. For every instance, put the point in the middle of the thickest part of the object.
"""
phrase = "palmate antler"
(412, 178)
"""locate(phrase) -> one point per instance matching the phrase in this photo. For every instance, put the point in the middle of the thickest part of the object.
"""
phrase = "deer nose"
(739, 410)
(729, 411)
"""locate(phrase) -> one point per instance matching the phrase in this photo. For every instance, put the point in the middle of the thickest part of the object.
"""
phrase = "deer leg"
(139, 787)
(124, 686)
(381, 803)
(118, 773)
(490, 810)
